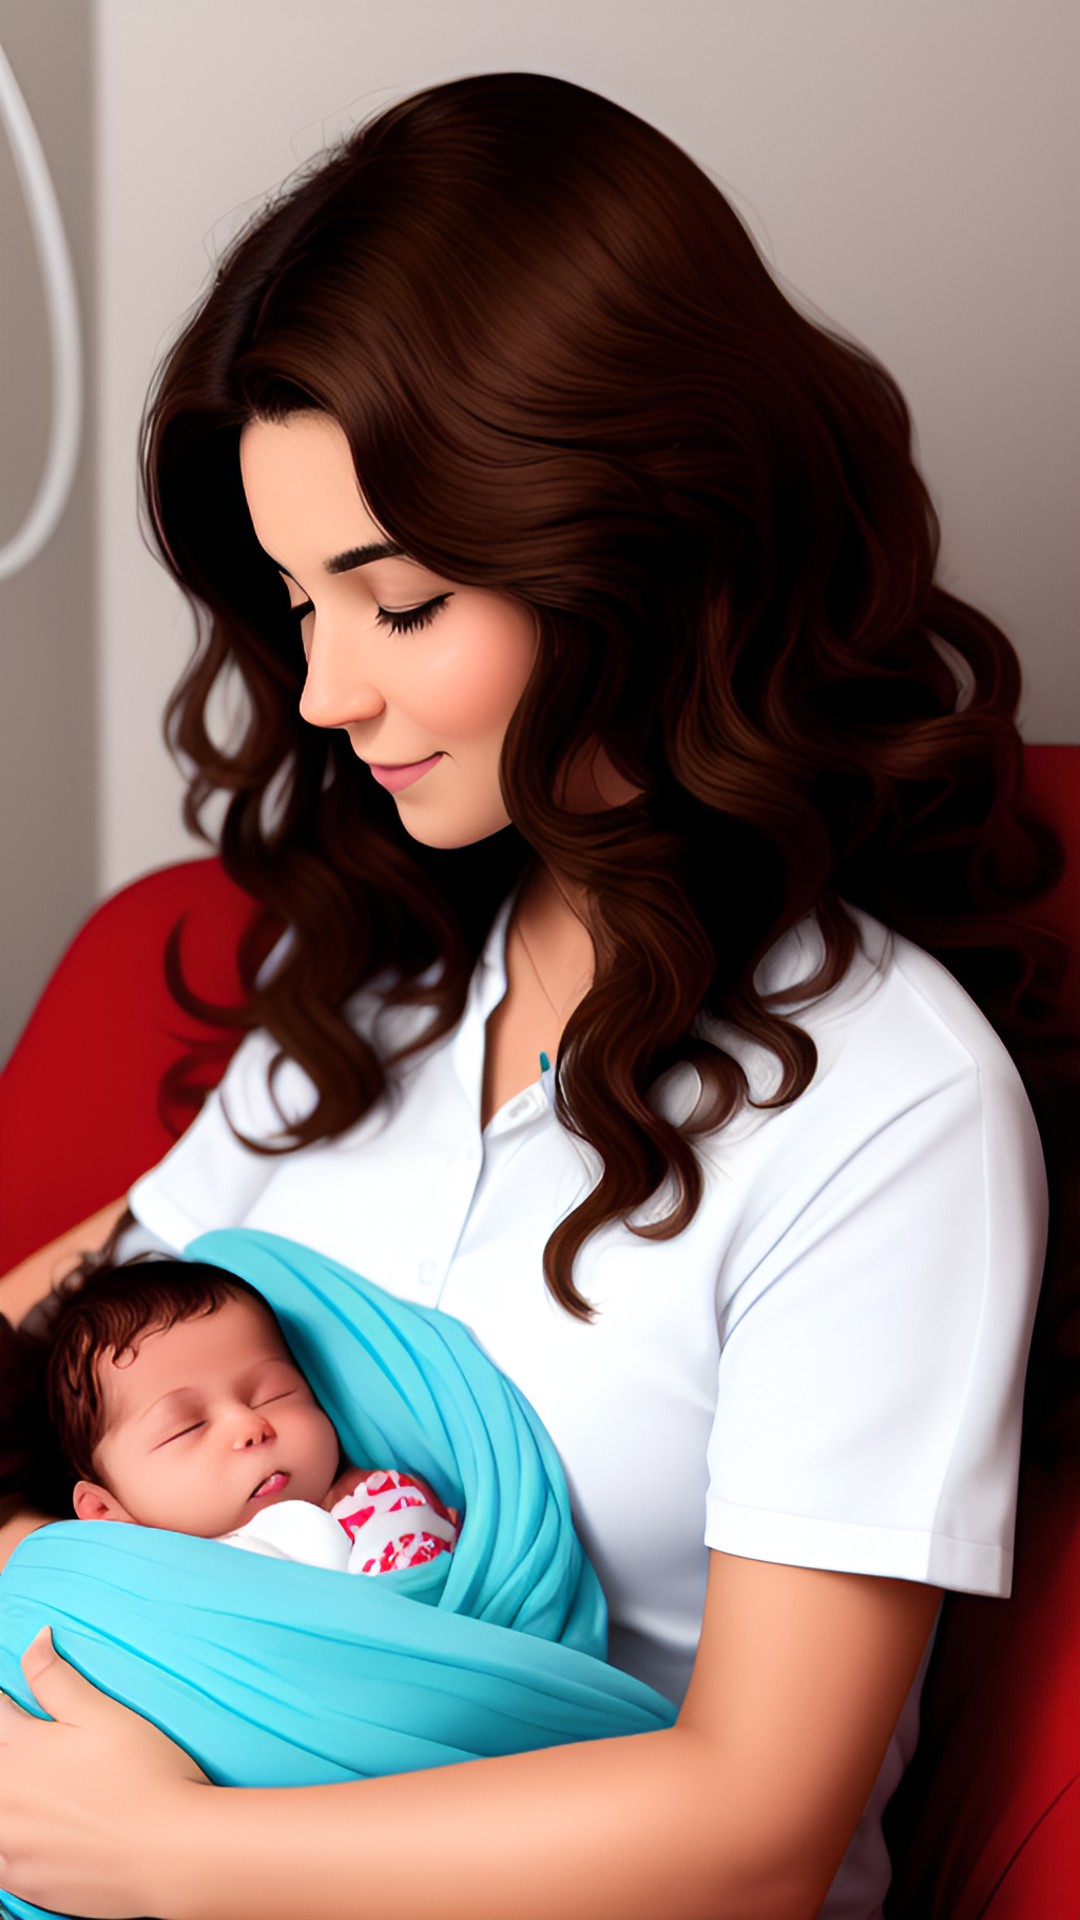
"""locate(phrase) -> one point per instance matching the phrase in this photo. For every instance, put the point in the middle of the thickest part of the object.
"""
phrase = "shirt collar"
(488, 983)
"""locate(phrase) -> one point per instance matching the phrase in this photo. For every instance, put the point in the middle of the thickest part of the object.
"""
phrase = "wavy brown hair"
(566, 374)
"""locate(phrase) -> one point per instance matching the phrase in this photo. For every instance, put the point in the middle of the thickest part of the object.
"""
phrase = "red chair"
(984, 1826)
(82, 1108)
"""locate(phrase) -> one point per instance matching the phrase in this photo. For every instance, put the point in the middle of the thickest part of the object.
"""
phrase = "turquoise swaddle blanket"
(271, 1673)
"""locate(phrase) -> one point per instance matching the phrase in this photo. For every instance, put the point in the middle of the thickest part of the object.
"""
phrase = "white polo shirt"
(824, 1369)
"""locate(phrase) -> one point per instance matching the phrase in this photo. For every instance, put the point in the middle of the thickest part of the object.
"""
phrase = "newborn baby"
(178, 1404)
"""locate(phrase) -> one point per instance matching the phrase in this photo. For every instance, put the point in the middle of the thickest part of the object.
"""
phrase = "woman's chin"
(450, 834)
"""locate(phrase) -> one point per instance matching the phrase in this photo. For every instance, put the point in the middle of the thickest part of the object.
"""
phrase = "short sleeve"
(211, 1178)
(872, 1361)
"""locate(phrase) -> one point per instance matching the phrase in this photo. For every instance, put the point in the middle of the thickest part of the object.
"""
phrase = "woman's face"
(422, 673)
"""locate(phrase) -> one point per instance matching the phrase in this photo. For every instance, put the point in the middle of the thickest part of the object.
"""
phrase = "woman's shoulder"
(894, 1028)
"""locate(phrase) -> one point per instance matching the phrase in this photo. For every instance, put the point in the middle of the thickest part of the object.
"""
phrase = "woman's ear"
(96, 1503)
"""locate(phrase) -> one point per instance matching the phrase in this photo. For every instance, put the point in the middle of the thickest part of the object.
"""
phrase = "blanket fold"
(271, 1673)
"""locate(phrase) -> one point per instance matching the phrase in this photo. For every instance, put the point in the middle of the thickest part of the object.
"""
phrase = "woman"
(496, 452)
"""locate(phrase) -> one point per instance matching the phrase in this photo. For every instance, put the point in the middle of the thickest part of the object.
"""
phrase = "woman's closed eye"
(397, 619)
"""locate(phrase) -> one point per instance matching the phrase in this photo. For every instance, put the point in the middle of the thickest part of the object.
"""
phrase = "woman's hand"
(83, 1795)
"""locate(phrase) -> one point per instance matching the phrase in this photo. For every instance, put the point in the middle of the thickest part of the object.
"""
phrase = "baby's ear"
(95, 1503)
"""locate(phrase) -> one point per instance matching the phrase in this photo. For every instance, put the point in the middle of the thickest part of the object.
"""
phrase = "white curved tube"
(61, 299)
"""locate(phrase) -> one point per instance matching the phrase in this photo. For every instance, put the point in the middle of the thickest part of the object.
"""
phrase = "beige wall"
(909, 169)
(49, 869)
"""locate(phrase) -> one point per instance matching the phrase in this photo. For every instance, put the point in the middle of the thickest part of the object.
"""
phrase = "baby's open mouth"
(274, 1483)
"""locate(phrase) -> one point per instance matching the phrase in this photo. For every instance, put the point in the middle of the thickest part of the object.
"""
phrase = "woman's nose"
(336, 691)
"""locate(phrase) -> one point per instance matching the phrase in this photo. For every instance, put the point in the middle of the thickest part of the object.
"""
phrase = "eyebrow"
(191, 1394)
(355, 557)
(178, 1394)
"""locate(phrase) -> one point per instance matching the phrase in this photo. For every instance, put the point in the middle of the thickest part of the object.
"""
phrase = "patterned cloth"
(385, 1520)
(370, 1516)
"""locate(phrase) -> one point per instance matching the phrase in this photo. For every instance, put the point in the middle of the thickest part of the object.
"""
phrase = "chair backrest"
(1052, 780)
(81, 1107)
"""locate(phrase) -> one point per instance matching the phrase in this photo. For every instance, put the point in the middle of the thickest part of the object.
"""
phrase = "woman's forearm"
(625, 1829)
(22, 1287)
(22, 1290)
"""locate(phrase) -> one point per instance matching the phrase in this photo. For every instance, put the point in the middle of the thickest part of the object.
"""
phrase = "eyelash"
(411, 620)
(283, 1395)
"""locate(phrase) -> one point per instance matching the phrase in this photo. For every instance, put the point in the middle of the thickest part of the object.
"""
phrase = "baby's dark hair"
(107, 1312)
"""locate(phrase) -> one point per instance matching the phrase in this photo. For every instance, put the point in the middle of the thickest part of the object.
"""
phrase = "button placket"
(463, 1178)
(525, 1107)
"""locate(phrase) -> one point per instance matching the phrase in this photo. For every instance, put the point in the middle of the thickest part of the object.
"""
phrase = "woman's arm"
(23, 1286)
(20, 1289)
(741, 1811)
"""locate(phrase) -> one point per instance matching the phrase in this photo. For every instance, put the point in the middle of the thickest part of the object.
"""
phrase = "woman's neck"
(551, 918)
(550, 927)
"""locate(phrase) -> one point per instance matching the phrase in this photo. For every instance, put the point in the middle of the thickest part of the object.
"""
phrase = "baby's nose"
(253, 1430)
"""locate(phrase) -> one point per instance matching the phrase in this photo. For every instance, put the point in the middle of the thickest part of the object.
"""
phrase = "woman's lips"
(275, 1482)
(394, 778)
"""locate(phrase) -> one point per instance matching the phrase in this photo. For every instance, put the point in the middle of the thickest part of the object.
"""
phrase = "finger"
(58, 1688)
(36, 1658)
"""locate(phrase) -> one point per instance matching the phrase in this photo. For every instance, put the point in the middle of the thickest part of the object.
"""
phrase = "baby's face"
(207, 1423)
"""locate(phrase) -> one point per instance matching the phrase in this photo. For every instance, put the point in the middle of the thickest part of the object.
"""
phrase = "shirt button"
(426, 1273)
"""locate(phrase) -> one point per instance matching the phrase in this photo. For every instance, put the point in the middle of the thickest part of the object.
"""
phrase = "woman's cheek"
(480, 678)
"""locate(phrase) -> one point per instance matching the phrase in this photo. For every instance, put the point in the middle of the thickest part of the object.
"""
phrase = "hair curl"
(566, 374)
